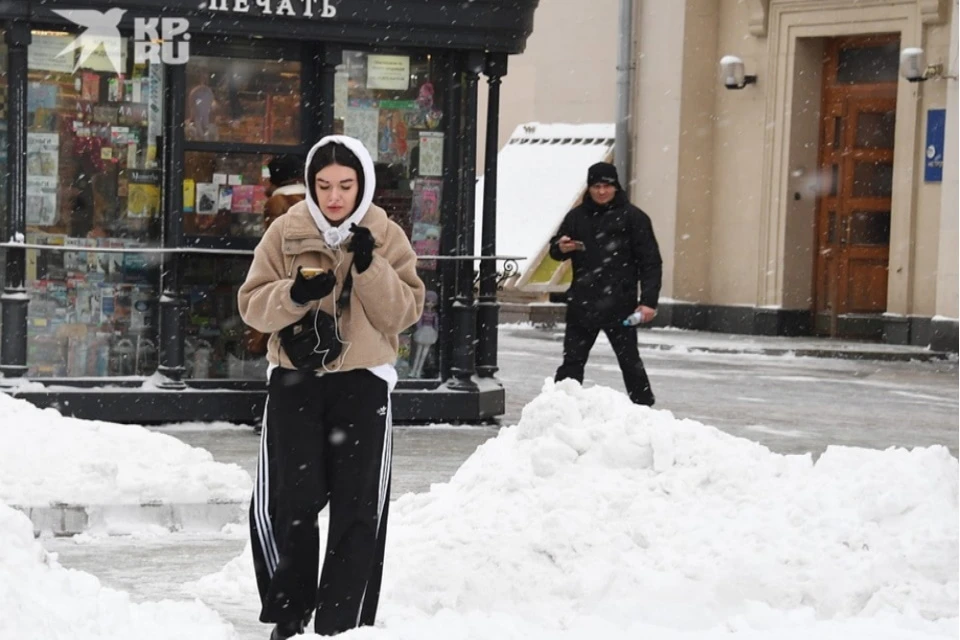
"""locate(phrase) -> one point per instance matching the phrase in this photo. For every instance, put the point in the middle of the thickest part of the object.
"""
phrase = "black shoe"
(284, 630)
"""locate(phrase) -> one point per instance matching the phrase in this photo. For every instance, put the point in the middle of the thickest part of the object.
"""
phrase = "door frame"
(781, 254)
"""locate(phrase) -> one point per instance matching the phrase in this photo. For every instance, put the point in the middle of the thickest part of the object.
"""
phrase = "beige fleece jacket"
(386, 298)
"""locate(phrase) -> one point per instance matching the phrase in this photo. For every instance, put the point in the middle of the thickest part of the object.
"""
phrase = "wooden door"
(856, 162)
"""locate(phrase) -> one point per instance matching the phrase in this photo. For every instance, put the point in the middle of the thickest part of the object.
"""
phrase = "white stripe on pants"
(261, 501)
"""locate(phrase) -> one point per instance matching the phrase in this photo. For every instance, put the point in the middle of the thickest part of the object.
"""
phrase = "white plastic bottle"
(633, 319)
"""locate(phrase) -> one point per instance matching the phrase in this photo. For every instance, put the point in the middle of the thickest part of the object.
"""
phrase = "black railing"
(509, 269)
(511, 266)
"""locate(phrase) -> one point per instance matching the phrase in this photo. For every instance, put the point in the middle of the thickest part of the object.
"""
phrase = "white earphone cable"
(336, 322)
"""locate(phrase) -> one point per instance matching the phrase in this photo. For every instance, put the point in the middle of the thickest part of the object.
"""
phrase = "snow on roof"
(559, 131)
(542, 173)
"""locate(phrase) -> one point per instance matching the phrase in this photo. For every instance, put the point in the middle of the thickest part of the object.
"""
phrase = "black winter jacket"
(621, 250)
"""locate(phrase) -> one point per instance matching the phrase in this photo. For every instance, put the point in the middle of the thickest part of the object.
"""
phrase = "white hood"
(331, 234)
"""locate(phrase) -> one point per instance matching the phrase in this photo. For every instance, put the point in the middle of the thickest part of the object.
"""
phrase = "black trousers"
(577, 342)
(326, 439)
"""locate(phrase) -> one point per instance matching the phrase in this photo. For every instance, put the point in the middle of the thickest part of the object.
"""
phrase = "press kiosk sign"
(292, 8)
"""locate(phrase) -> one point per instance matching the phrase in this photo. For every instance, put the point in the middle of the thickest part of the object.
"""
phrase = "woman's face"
(336, 189)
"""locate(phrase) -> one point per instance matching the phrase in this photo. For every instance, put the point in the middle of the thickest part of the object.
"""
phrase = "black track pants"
(577, 342)
(326, 439)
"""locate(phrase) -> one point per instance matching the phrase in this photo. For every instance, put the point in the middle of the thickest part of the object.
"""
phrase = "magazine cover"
(225, 199)
(208, 195)
(133, 114)
(143, 193)
(242, 201)
(43, 152)
(431, 153)
(88, 302)
(426, 242)
(90, 87)
(189, 195)
(393, 147)
(259, 198)
(426, 200)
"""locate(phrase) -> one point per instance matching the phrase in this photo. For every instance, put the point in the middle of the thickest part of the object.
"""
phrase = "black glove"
(362, 247)
(304, 290)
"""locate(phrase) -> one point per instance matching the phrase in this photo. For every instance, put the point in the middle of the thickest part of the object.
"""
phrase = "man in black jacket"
(612, 246)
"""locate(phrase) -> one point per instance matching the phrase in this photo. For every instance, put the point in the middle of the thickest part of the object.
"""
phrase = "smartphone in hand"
(579, 246)
(311, 272)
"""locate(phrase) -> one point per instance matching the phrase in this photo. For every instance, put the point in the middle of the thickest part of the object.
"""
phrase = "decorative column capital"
(934, 11)
(17, 34)
(474, 62)
(757, 22)
(496, 66)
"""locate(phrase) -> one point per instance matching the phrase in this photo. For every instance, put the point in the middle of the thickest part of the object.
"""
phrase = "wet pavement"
(790, 404)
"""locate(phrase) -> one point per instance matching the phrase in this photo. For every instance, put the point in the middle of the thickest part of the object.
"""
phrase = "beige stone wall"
(657, 123)
(738, 164)
(673, 178)
(931, 213)
(948, 256)
(568, 72)
(755, 151)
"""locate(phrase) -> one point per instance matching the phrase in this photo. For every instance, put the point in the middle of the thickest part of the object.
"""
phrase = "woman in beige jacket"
(327, 433)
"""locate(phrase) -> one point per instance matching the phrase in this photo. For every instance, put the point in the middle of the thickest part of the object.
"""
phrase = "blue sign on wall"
(933, 162)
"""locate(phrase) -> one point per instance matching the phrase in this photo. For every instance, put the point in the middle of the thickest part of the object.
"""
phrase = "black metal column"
(172, 304)
(331, 56)
(13, 343)
(464, 307)
(488, 309)
(311, 102)
(449, 207)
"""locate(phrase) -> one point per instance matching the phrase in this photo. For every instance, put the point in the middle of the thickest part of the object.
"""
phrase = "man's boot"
(284, 630)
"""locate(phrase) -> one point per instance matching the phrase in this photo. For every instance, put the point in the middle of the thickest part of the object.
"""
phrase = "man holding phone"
(612, 247)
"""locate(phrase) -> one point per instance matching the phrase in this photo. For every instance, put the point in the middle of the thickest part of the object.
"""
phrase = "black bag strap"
(343, 300)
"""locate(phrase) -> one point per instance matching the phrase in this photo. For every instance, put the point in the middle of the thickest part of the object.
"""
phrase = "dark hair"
(334, 153)
(285, 169)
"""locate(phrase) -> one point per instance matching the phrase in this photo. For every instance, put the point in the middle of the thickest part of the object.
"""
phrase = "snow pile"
(41, 599)
(594, 518)
(48, 458)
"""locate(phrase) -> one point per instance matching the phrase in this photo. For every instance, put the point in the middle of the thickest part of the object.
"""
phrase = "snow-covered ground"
(595, 518)
(41, 600)
(592, 518)
(48, 459)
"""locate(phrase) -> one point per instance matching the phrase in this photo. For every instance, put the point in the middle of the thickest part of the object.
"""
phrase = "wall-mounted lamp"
(914, 67)
(732, 73)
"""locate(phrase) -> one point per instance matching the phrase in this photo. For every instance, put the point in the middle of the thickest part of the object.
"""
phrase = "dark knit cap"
(286, 168)
(603, 172)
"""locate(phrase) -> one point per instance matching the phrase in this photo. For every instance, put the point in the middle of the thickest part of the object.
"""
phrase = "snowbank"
(594, 518)
(41, 599)
(47, 458)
